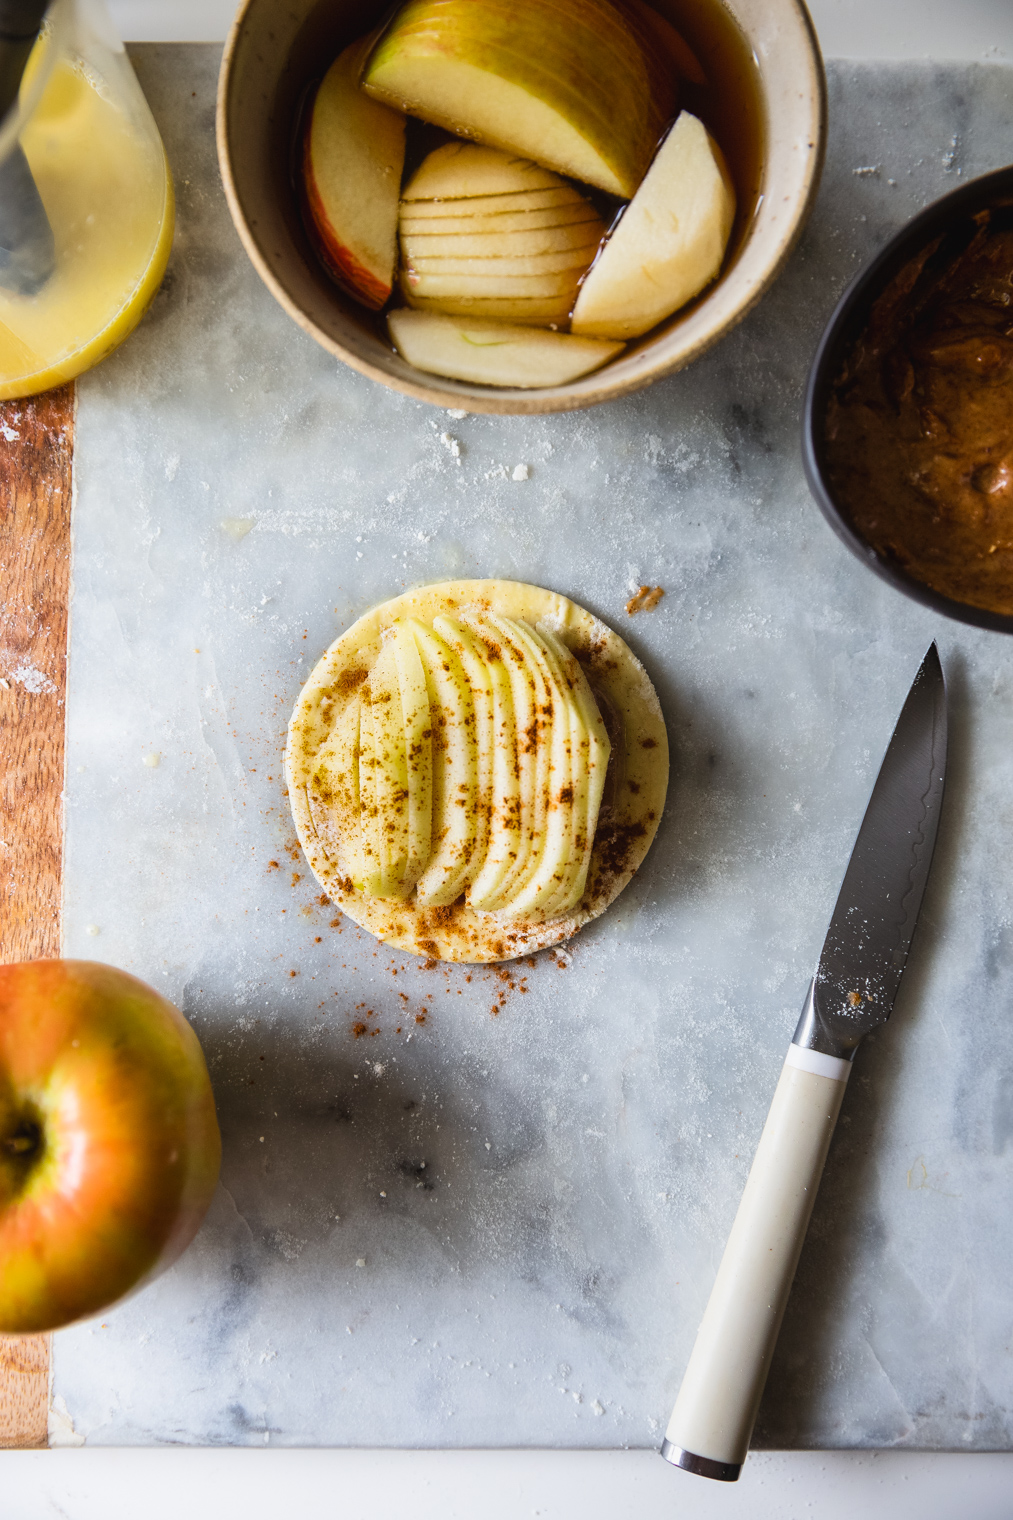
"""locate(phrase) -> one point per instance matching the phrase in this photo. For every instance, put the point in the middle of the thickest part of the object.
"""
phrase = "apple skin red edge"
(342, 267)
(109, 1142)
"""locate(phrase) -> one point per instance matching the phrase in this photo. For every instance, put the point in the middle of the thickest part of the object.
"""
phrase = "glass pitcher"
(71, 292)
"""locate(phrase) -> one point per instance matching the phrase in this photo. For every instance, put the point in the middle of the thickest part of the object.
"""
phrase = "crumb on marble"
(645, 600)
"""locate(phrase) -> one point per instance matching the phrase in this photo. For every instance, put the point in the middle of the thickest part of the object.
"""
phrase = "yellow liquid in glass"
(108, 194)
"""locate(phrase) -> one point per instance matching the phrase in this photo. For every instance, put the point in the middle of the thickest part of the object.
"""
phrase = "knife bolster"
(807, 1059)
(815, 1031)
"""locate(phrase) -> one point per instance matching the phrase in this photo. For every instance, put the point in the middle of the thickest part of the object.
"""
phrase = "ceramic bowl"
(278, 48)
(848, 322)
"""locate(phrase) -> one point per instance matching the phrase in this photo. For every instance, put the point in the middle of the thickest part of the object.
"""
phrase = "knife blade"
(853, 992)
(867, 944)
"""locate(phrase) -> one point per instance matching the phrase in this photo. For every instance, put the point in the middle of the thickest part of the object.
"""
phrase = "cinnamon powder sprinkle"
(615, 845)
(645, 600)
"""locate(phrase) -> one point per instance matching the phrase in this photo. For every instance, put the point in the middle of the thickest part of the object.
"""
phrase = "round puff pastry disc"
(635, 786)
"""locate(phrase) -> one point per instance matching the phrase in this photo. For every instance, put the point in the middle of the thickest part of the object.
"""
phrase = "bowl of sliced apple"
(523, 207)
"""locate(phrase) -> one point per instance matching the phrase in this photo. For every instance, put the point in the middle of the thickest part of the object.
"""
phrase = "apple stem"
(25, 1139)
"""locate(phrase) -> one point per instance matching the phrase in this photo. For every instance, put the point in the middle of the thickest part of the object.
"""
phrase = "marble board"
(462, 1210)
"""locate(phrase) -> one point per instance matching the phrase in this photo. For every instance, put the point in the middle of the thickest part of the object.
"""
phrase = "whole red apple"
(109, 1144)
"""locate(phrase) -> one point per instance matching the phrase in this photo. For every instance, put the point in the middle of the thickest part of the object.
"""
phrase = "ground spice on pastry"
(919, 427)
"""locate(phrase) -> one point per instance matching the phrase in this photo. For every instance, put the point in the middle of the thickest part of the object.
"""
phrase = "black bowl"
(945, 216)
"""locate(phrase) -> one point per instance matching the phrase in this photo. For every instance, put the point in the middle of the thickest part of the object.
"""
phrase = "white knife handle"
(714, 1413)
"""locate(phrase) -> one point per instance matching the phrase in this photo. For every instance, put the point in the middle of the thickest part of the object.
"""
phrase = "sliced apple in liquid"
(497, 264)
(494, 353)
(504, 266)
(562, 199)
(548, 311)
(524, 242)
(669, 243)
(565, 82)
(455, 771)
(353, 155)
(466, 217)
(478, 280)
(461, 169)
(499, 287)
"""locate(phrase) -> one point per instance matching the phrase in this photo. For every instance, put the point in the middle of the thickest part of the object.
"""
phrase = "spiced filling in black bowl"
(909, 411)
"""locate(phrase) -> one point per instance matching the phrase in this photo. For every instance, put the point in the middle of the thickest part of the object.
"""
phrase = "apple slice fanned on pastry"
(446, 766)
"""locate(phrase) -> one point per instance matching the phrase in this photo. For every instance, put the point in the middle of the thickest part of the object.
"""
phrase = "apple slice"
(553, 311)
(335, 784)
(560, 283)
(491, 353)
(669, 242)
(560, 199)
(504, 838)
(494, 265)
(371, 878)
(391, 762)
(374, 775)
(560, 737)
(589, 759)
(473, 657)
(459, 170)
(508, 243)
(502, 266)
(455, 771)
(353, 155)
(529, 697)
(472, 219)
(565, 82)
(418, 726)
(383, 779)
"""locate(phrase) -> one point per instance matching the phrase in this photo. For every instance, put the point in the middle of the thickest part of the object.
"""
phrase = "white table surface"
(965, 29)
(108, 1484)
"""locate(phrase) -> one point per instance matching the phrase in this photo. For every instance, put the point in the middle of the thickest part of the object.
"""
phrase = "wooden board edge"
(36, 491)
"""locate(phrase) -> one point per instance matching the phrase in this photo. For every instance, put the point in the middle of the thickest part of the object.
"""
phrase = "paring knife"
(853, 992)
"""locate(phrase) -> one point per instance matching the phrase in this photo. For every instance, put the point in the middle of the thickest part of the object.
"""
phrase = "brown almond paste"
(919, 428)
